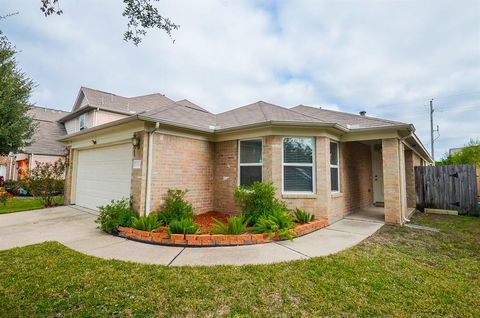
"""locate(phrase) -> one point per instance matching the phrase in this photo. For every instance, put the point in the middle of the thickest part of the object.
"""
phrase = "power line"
(427, 99)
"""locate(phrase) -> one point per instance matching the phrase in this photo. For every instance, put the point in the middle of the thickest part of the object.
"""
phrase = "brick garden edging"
(163, 238)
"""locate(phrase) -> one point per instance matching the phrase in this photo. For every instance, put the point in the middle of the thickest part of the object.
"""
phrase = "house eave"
(282, 123)
(91, 107)
(174, 124)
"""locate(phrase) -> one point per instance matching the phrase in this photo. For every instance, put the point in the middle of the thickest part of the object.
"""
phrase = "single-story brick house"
(44, 146)
(327, 162)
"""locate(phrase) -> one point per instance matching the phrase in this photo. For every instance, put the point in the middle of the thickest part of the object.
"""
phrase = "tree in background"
(141, 15)
(470, 154)
(16, 127)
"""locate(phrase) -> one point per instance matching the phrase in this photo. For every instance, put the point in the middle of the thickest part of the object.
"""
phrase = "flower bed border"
(213, 239)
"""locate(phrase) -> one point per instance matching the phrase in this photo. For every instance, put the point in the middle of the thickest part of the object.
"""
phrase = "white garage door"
(103, 174)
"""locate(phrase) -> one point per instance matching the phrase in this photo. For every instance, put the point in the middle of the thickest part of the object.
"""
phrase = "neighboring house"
(326, 162)
(453, 151)
(44, 146)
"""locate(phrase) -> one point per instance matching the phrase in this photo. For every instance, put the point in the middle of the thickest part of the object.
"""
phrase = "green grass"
(398, 272)
(18, 204)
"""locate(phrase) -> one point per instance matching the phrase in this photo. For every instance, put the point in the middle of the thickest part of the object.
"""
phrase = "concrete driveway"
(75, 228)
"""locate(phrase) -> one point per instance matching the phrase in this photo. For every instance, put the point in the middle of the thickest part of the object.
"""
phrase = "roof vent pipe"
(363, 113)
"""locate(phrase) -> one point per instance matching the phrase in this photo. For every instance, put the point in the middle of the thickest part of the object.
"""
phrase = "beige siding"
(93, 118)
(104, 117)
(71, 126)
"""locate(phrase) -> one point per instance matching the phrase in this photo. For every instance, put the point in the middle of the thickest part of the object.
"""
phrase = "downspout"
(403, 187)
(149, 168)
(95, 112)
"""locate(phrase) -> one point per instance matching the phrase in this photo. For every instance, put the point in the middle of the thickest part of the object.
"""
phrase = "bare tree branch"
(141, 14)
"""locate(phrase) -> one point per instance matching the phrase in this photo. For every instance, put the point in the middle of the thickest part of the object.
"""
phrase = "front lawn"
(397, 272)
(18, 204)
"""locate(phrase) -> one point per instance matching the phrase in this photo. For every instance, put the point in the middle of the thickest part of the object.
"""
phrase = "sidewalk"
(76, 229)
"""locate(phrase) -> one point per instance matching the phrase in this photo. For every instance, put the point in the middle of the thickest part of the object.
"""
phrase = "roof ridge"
(260, 103)
(170, 106)
(43, 107)
(104, 92)
(200, 108)
(163, 95)
(307, 115)
(353, 115)
(237, 108)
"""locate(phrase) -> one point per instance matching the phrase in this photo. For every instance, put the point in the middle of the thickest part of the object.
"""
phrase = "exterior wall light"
(135, 141)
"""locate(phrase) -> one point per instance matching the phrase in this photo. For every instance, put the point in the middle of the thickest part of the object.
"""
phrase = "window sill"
(336, 194)
(299, 196)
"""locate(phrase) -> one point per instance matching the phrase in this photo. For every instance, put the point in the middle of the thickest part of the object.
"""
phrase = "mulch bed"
(206, 220)
(203, 221)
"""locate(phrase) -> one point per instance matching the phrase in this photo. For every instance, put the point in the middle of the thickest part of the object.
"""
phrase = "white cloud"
(377, 56)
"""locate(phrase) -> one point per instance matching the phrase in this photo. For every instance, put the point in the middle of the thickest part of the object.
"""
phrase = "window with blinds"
(298, 164)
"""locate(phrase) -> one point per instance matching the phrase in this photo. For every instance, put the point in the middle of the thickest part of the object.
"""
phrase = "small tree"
(46, 181)
(470, 154)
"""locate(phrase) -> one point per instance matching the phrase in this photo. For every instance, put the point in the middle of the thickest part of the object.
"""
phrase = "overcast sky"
(386, 57)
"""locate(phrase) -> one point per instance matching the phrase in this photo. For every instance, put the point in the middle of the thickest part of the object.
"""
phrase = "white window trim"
(336, 166)
(247, 164)
(313, 165)
(80, 122)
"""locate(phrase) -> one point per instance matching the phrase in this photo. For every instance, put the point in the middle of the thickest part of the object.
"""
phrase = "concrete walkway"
(76, 229)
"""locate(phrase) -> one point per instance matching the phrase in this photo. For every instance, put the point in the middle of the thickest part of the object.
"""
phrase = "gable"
(81, 100)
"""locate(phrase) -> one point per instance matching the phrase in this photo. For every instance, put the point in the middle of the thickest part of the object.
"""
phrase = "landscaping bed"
(264, 218)
(205, 221)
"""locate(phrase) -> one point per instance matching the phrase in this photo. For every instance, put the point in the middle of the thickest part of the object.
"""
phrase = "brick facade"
(391, 180)
(225, 176)
(139, 176)
(355, 180)
(209, 171)
(412, 160)
(183, 163)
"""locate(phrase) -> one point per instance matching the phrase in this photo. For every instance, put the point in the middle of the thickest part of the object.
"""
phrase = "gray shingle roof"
(259, 112)
(126, 104)
(184, 116)
(348, 120)
(45, 139)
(187, 103)
(158, 107)
(48, 114)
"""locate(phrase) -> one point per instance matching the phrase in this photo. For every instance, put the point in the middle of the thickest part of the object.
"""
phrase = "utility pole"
(431, 129)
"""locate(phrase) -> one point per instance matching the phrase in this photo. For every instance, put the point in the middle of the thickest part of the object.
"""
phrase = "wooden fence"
(447, 187)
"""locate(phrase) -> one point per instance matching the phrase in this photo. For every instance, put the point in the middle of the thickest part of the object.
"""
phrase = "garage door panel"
(103, 174)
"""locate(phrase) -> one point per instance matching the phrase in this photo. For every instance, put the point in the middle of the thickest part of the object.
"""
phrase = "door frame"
(377, 166)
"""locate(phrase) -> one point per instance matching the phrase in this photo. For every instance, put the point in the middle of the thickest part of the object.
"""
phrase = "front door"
(377, 170)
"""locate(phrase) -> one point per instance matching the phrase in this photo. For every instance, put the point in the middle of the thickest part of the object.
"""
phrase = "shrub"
(302, 216)
(175, 207)
(257, 200)
(145, 223)
(279, 221)
(46, 181)
(182, 226)
(15, 187)
(3, 197)
(235, 225)
(117, 213)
